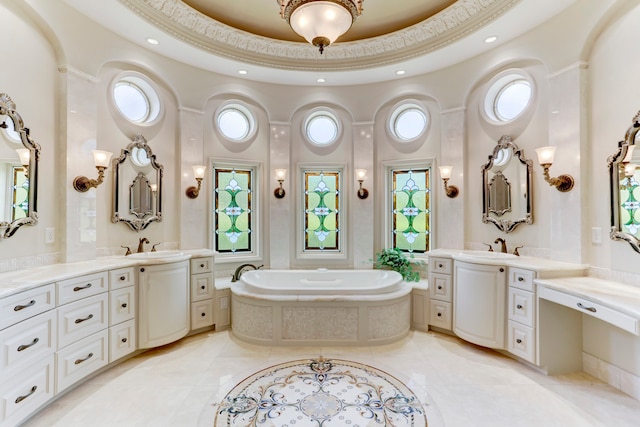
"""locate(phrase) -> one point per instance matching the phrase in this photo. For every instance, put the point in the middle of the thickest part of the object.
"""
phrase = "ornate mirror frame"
(506, 224)
(139, 221)
(8, 108)
(621, 178)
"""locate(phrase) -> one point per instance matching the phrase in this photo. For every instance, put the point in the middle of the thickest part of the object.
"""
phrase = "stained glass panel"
(630, 205)
(322, 210)
(411, 209)
(232, 208)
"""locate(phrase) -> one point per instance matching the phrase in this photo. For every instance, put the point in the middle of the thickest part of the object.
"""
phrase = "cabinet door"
(122, 305)
(82, 287)
(82, 318)
(479, 298)
(202, 287)
(121, 278)
(163, 303)
(202, 314)
(521, 306)
(440, 315)
(122, 340)
(440, 286)
(81, 359)
(27, 342)
(522, 341)
(25, 304)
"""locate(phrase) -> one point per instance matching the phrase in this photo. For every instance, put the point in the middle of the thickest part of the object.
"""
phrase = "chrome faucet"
(240, 269)
(141, 243)
(503, 244)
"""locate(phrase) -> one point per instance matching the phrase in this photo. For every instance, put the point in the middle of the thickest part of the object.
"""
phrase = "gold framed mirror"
(506, 187)
(137, 186)
(624, 179)
(19, 157)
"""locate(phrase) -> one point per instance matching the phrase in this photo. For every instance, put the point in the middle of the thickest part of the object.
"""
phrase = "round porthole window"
(508, 97)
(408, 122)
(136, 99)
(235, 122)
(322, 128)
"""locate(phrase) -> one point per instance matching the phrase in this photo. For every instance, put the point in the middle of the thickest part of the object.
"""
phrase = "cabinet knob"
(501, 270)
(142, 270)
(520, 279)
(519, 306)
(203, 287)
(203, 314)
(439, 314)
(201, 265)
(123, 278)
(440, 265)
(124, 305)
(519, 341)
(123, 340)
(439, 287)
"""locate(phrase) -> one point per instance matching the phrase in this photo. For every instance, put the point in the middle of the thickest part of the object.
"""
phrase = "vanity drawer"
(122, 305)
(202, 265)
(202, 287)
(440, 286)
(440, 265)
(82, 287)
(521, 306)
(202, 314)
(21, 306)
(122, 340)
(23, 393)
(121, 278)
(82, 318)
(81, 358)
(599, 311)
(440, 314)
(27, 342)
(521, 341)
(522, 279)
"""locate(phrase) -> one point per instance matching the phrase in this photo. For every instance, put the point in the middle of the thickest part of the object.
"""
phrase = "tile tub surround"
(460, 385)
(319, 391)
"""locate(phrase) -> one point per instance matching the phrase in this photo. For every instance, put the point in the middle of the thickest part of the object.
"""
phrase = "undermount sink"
(156, 254)
(487, 255)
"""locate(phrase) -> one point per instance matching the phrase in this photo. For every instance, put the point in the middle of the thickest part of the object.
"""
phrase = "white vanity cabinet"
(163, 303)
(440, 292)
(202, 293)
(521, 339)
(479, 293)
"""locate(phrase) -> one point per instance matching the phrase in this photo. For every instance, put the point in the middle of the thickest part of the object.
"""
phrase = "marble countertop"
(21, 280)
(540, 265)
(618, 296)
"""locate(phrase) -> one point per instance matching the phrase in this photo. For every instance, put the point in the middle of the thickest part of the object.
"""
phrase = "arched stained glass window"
(322, 211)
(411, 209)
(233, 209)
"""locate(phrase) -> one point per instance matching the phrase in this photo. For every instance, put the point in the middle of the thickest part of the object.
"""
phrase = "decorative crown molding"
(187, 24)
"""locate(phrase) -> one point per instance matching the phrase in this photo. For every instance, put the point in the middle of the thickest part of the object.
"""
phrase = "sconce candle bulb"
(445, 173)
(198, 172)
(280, 175)
(361, 175)
(101, 160)
(546, 155)
(25, 156)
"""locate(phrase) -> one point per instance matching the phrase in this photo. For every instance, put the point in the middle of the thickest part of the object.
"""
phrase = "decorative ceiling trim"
(447, 26)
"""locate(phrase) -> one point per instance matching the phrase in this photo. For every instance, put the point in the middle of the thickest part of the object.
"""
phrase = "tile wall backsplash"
(28, 262)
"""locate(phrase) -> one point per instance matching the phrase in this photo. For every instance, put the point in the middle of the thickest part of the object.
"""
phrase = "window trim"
(387, 172)
(496, 86)
(312, 115)
(341, 253)
(244, 109)
(257, 225)
(400, 108)
(149, 90)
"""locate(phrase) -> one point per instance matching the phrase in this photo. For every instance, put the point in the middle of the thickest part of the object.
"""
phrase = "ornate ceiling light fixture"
(320, 22)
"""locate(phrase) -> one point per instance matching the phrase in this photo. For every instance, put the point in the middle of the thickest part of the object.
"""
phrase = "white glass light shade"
(101, 158)
(321, 19)
(198, 171)
(546, 155)
(281, 174)
(25, 155)
(361, 174)
(629, 156)
(445, 172)
(630, 169)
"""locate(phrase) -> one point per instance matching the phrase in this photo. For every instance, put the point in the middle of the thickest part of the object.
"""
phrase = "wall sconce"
(279, 191)
(445, 173)
(563, 183)
(198, 172)
(25, 156)
(361, 175)
(101, 160)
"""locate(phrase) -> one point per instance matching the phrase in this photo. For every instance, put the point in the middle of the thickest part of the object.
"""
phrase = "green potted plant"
(396, 260)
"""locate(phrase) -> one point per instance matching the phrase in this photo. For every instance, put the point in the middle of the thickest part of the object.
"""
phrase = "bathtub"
(320, 307)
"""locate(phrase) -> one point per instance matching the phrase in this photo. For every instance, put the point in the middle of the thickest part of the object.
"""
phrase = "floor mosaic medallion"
(320, 393)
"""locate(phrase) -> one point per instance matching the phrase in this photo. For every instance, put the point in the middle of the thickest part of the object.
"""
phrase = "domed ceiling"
(415, 36)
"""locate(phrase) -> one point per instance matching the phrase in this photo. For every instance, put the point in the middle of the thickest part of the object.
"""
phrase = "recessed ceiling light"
(400, 72)
(243, 72)
(320, 80)
(152, 41)
(491, 39)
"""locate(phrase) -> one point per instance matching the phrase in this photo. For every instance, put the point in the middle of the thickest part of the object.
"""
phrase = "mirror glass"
(19, 156)
(137, 186)
(507, 178)
(624, 177)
